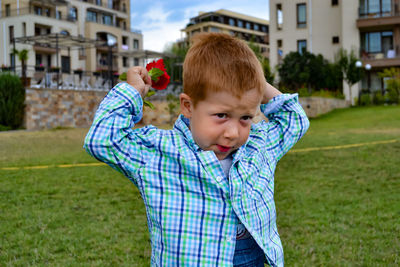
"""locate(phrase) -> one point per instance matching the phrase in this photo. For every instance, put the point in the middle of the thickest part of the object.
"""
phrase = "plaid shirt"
(192, 209)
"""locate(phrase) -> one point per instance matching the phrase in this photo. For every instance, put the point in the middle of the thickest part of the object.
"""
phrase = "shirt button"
(220, 178)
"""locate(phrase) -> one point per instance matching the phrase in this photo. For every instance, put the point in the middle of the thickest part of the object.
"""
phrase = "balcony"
(376, 16)
(384, 59)
(47, 13)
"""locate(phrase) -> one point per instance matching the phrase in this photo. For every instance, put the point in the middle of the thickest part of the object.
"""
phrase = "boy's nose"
(231, 131)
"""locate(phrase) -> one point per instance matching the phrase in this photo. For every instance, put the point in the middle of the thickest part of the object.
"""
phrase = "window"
(38, 59)
(240, 23)
(37, 31)
(248, 25)
(335, 39)
(65, 64)
(58, 15)
(231, 22)
(8, 10)
(24, 29)
(375, 8)
(11, 33)
(279, 43)
(47, 12)
(335, 2)
(107, 20)
(301, 46)
(279, 17)
(377, 42)
(98, 2)
(91, 16)
(214, 29)
(256, 27)
(135, 44)
(37, 10)
(73, 13)
(136, 61)
(124, 61)
(12, 60)
(301, 16)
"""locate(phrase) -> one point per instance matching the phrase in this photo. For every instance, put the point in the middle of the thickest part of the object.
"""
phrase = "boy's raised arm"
(287, 121)
(111, 138)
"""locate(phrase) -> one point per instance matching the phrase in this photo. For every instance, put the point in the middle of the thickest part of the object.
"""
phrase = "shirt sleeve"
(287, 123)
(111, 138)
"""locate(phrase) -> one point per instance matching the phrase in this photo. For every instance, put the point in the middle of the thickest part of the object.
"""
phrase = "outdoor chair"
(84, 84)
(68, 82)
(99, 83)
(41, 83)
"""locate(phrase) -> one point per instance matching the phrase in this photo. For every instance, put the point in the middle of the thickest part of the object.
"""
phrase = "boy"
(208, 183)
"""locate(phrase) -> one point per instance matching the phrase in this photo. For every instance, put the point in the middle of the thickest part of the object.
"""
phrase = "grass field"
(336, 207)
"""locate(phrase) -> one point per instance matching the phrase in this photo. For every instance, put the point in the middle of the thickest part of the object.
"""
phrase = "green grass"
(335, 207)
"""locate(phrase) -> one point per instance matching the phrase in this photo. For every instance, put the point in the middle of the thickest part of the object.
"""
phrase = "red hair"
(219, 62)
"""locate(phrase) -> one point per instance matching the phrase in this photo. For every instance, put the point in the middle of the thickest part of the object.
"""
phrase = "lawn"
(336, 207)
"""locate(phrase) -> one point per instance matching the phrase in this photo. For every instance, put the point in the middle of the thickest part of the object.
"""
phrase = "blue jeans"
(248, 254)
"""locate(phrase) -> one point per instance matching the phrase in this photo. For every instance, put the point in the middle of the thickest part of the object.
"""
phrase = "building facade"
(369, 27)
(245, 27)
(103, 20)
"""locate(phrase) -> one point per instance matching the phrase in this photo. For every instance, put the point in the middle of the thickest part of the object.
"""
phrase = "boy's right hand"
(139, 79)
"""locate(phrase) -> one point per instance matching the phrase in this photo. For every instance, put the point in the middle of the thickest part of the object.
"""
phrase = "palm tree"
(23, 57)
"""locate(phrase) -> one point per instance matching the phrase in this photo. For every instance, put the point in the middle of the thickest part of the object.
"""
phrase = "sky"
(161, 21)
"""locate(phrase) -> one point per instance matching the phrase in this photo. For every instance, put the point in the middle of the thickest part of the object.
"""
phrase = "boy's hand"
(269, 93)
(139, 78)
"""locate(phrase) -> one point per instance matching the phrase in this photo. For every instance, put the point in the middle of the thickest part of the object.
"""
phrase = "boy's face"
(221, 122)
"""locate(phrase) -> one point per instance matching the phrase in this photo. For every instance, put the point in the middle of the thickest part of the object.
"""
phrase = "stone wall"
(47, 108)
(315, 106)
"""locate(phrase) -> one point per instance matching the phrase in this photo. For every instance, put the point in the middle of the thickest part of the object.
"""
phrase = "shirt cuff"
(275, 104)
(131, 96)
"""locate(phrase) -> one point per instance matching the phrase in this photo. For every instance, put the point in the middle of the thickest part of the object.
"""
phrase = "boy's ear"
(186, 105)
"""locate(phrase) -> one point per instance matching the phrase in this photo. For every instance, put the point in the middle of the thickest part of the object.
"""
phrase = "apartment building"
(370, 27)
(102, 20)
(245, 27)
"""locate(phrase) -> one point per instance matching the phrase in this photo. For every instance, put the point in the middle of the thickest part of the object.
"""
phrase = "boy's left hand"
(139, 78)
(269, 93)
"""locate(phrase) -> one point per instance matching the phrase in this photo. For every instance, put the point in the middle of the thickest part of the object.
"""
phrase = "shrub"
(12, 98)
(378, 98)
(365, 100)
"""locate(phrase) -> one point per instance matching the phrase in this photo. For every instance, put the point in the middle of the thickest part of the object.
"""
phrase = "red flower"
(158, 74)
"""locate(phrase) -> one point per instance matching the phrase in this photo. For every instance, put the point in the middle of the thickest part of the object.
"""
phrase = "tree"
(347, 65)
(269, 76)
(174, 63)
(23, 57)
(12, 99)
(299, 70)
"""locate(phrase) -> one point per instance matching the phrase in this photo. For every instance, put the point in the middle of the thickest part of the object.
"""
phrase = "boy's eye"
(247, 118)
(221, 115)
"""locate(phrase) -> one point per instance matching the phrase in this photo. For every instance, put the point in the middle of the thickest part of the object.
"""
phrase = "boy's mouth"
(223, 149)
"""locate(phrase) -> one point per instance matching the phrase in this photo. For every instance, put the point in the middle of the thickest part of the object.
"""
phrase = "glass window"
(73, 13)
(231, 22)
(256, 27)
(301, 46)
(279, 17)
(8, 10)
(240, 23)
(91, 16)
(248, 25)
(37, 10)
(377, 42)
(11, 33)
(214, 29)
(335, 2)
(124, 61)
(375, 8)
(301, 16)
(107, 20)
(135, 44)
(136, 61)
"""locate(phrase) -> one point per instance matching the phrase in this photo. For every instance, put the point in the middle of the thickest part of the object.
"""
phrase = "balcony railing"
(378, 11)
(388, 54)
(115, 6)
(26, 11)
